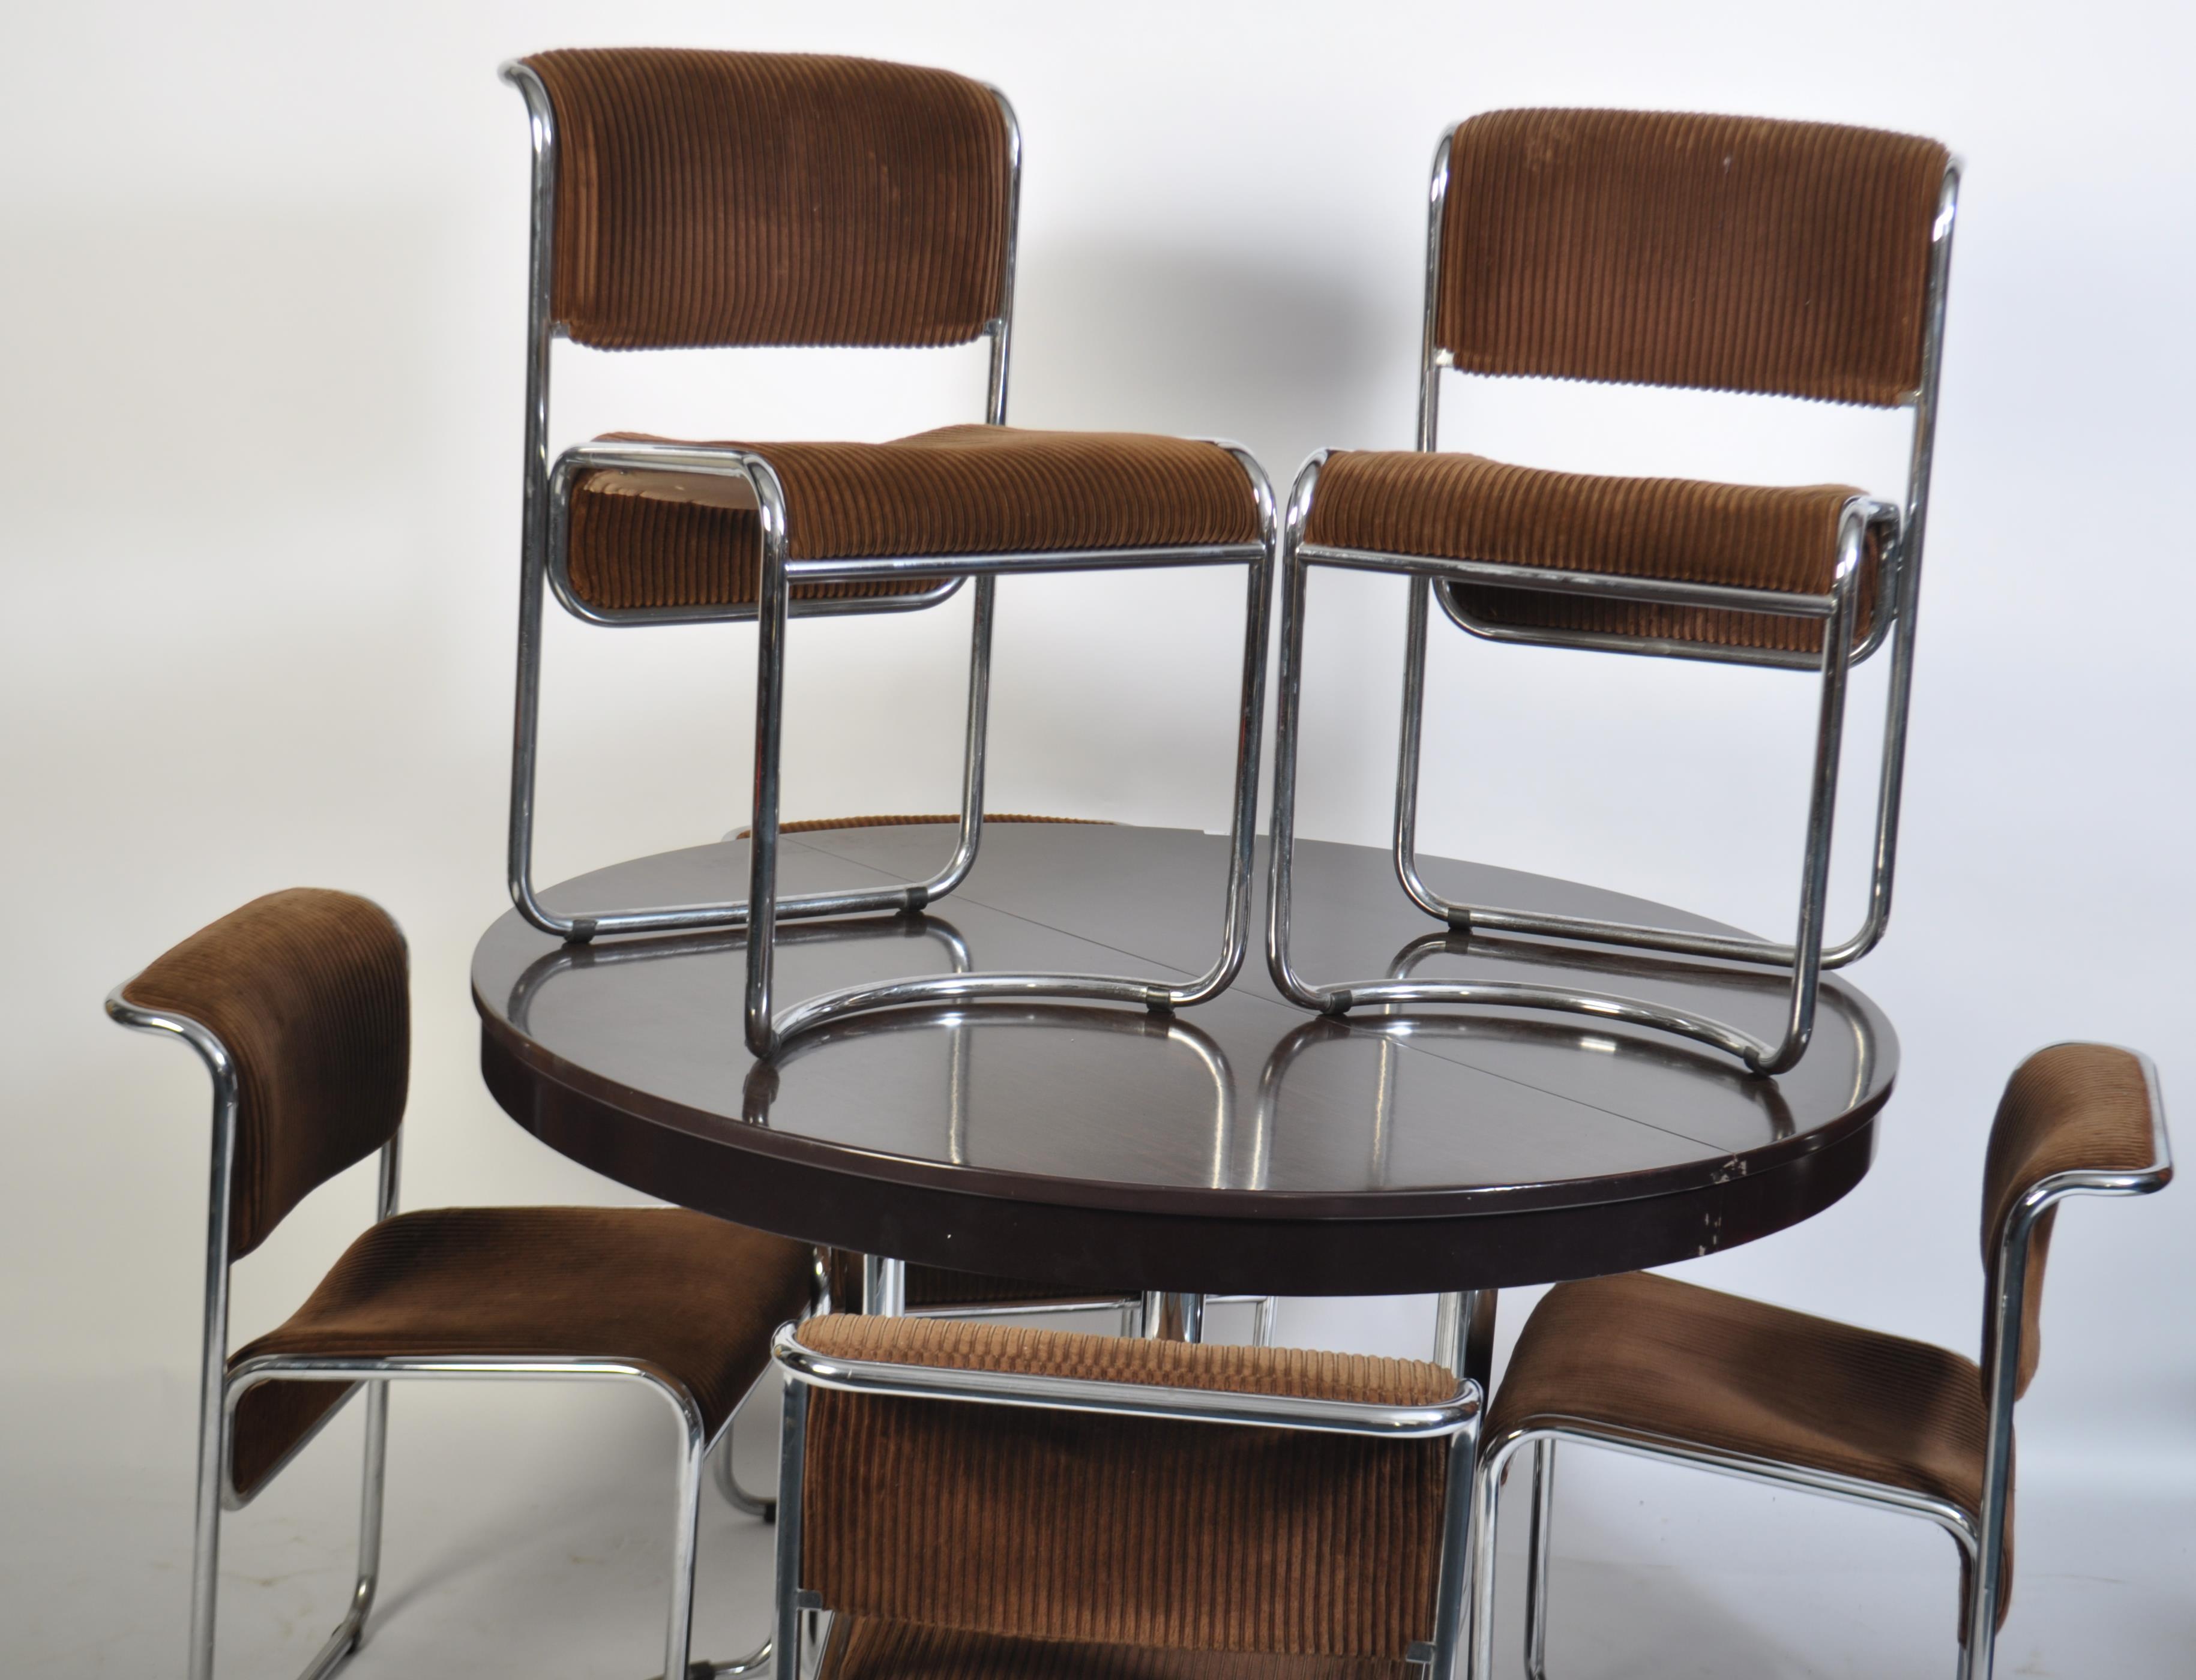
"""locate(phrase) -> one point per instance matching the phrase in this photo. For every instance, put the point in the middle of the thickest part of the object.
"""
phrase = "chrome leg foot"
(342, 1646)
(756, 1661)
(728, 1484)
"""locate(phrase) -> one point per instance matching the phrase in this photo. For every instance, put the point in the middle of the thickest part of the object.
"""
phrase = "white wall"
(261, 283)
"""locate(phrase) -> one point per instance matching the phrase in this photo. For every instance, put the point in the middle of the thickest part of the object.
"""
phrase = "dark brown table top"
(1242, 1146)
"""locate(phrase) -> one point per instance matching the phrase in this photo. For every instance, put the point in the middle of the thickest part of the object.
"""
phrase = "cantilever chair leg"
(766, 1029)
(376, 1374)
(1838, 611)
(761, 1506)
(1492, 1466)
(579, 929)
(1538, 1546)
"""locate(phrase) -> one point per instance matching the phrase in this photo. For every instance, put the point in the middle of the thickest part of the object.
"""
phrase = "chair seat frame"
(1457, 1420)
(222, 1387)
(545, 569)
(1898, 532)
(1980, 1534)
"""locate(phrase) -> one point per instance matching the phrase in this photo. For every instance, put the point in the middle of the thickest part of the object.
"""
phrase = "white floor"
(529, 1533)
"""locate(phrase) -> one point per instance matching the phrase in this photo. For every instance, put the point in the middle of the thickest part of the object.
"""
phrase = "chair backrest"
(2070, 1108)
(307, 990)
(727, 199)
(998, 1520)
(1730, 253)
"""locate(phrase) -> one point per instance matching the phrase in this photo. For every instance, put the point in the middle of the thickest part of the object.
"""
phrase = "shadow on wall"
(1117, 334)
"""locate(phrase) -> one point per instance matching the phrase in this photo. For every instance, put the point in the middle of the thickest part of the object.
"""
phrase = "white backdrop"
(261, 330)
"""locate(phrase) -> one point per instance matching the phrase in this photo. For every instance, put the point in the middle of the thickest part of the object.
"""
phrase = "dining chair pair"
(1061, 1504)
(690, 197)
(989, 1498)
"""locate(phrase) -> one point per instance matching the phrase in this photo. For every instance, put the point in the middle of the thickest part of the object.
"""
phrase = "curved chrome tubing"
(766, 1032)
(1455, 1420)
(762, 1507)
(543, 570)
(1900, 534)
(540, 572)
(1159, 1315)
(1839, 609)
(1981, 1536)
(222, 1388)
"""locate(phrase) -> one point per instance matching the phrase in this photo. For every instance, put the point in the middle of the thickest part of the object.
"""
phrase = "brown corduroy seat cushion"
(308, 991)
(1649, 1353)
(1465, 507)
(692, 1298)
(1067, 1526)
(867, 1648)
(661, 540)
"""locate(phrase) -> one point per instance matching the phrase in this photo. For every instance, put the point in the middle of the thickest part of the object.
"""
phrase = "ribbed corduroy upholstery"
(307, 989)
(1645, 1353)
(713, 198)
(692, 1298)
(960, 490)
(1650, 247)
(1178, 1535)
(2068, 1108)
(1464, 507)
(865, 1647)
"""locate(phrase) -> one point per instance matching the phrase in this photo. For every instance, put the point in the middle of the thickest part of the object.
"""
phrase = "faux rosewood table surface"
(1240, 1146)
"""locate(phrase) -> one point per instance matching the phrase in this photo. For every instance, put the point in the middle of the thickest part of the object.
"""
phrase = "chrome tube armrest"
(727, 461)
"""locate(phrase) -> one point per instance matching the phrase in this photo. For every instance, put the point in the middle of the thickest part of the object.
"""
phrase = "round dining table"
(1243, 1146)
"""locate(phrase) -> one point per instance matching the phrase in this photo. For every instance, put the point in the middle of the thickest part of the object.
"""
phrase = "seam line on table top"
(963, 894)
(1281, 1003)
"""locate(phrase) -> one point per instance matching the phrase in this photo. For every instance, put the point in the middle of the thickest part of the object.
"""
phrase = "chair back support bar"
(724, 199)
(308, 991)
(1049, 1513)
(1732, 253)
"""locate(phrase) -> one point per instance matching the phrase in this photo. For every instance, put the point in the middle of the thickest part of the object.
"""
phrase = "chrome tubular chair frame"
(1899, 533)
(544, 548)
(544, 565)
(1982, 1545)
(1456, 1420)
(1161, 1315)
(221, 1389)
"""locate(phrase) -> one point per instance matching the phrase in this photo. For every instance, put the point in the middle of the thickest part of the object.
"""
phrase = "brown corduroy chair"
(1805, 260)
(687, 199)
(981, 1499)
(1647, 1365)
(298, 1005)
